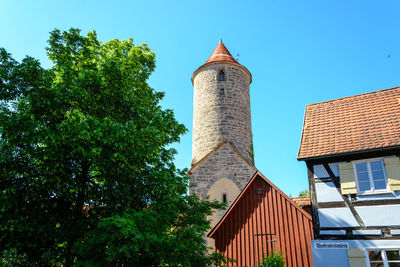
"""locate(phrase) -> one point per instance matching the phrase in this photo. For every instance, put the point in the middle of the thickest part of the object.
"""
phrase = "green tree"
(274, 259)
(304, 193)
(84, 164)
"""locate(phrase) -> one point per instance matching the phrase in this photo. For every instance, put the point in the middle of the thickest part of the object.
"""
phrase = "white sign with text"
(325, 245)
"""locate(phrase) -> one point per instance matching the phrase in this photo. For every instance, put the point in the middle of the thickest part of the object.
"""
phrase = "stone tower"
(221, 105)
(222, 146)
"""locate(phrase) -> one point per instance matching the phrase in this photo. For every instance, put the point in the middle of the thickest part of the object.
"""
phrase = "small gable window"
(221, 75)
(259, 191)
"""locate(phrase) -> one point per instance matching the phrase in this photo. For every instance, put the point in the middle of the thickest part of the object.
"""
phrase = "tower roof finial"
(221, 54)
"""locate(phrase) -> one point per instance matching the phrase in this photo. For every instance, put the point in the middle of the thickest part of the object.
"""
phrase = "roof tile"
(221, 53)
(350, 124)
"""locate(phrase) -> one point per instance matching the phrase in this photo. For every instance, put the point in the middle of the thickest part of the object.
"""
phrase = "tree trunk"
(77, 210)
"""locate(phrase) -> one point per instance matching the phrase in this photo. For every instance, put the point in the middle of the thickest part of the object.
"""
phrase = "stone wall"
(223, 163)
(222, 171)
(221, 116)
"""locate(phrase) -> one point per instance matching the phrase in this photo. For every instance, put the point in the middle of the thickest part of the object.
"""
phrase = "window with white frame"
(370, 176)
(383, 257)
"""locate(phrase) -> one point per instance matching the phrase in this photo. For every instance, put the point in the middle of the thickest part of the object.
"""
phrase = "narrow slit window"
(221, 91)
(224, 198)
(221, 75)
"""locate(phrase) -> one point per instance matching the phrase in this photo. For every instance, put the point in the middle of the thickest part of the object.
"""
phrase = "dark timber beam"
(345, 199)
(359, 203)
(314, 202)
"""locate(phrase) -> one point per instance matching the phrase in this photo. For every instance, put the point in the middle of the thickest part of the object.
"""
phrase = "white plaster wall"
(380, 215)
(338, 257)
(327, 192)
(336, 217)
(320, 172)
(222, 186)
(367, 232)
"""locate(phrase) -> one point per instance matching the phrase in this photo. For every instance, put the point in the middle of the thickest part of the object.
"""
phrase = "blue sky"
(299, 52)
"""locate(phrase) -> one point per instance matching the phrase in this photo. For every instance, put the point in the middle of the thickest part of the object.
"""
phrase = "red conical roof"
(221, 53)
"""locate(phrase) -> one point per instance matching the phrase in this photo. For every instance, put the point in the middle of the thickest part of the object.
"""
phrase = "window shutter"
(392, 166)
(347, 180)
(356, 257)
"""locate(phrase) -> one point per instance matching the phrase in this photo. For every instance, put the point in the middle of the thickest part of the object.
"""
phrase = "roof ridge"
(360, 123)
(357, 95)
(252, 179)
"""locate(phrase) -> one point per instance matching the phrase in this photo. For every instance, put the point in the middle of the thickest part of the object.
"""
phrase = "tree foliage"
(87, 175)
(304, 193)
(274, 259)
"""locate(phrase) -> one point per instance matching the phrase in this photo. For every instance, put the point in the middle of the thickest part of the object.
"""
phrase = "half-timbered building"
(351, 147)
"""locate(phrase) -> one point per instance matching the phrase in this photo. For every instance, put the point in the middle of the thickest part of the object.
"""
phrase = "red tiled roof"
(221, 53)
(302, 201)
(356, 123)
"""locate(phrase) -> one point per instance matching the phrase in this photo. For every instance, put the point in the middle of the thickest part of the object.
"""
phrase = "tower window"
(221, 91)
(224, 198)
(221, 75)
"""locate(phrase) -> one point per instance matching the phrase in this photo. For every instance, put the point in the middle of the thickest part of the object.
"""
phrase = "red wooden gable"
(263, 219)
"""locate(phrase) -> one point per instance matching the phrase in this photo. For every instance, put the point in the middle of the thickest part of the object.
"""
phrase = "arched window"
(221, 75)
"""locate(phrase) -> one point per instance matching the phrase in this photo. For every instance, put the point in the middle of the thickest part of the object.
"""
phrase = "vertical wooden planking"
(286, 242)
(257, 213)
(245, 242)
(251, 233)
(292, 251)
(248, 239)
(296, 236)
(226, 241)
(231, 237)
(271, 219)
(237, 234)
(308, 237)
(270, 213)
(247, 226)
(266, 217)
(218, 241)
(281, 236)
(233, 231)
(255, 222)
(240, 234)
(302, 237)
(263, 220)
(276, 229)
